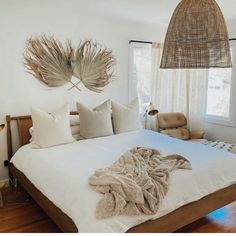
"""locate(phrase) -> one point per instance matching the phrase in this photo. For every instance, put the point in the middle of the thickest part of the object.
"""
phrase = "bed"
(57, 180)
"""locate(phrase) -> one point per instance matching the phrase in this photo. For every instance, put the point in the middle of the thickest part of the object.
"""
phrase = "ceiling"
(152, 11)
(142, 11)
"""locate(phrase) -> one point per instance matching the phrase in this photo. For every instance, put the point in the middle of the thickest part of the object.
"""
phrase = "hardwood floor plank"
(222, 220)
(20, 214)
(44, 226)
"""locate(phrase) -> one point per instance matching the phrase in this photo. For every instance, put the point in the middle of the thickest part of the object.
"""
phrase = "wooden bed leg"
(9, 147)
(14, 184)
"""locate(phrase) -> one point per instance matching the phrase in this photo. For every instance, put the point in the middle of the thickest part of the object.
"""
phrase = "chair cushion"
(181, 133)
(197, 134)
(171, 120)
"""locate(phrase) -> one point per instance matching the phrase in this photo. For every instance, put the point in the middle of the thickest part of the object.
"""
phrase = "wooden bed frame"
(168, 223)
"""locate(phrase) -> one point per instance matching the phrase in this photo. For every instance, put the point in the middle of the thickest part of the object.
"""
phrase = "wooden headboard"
(24, 123)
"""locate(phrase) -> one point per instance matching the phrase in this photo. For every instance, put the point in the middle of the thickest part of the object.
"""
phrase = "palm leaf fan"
(93, 65)
(49, 61)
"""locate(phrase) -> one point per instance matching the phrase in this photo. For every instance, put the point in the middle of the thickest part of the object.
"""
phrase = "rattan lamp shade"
(197, 37)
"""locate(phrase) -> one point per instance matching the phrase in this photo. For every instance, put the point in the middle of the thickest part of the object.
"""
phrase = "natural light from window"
(219, 92)
(219, 101)
(142, 62)
(219, 89)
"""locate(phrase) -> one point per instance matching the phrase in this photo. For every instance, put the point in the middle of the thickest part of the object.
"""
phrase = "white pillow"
(96, 122)
(74, 126)
(51, 129)
(126, 118)
(74, 120)
(75, 130)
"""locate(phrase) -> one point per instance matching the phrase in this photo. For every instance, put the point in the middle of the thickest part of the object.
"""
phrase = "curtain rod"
(148, 42)
(138, 41)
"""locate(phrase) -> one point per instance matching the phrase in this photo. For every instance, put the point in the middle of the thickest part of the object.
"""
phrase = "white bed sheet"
(61, 173)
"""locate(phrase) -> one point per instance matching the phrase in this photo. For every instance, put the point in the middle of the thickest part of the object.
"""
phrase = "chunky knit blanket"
(136, 183)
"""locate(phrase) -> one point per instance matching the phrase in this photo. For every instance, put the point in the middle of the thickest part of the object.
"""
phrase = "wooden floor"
(21, 214)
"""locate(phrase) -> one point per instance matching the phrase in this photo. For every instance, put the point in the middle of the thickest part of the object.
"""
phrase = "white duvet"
(61, 173)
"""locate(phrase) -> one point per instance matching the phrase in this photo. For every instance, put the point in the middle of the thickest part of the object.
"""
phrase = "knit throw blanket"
(136, 183)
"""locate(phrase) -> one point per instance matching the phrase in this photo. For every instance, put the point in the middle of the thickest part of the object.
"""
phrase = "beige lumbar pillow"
(51, 129)
(126, 118)
(96, 122)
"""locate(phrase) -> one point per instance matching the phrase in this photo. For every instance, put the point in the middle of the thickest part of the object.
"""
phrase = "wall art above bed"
(54, 64)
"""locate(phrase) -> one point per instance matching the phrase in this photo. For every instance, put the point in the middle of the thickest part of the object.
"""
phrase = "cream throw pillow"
(74, 126)
(96, 122)
(51, 129)
(126, 118)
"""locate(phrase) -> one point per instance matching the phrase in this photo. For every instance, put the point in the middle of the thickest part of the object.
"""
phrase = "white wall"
(70, 19)
(75, 20)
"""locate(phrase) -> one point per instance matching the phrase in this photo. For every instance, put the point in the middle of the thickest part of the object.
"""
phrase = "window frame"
(221, 120)
(132, 45)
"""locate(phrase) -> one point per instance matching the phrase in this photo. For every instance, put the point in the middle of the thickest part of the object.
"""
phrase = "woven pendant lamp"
(197, 37)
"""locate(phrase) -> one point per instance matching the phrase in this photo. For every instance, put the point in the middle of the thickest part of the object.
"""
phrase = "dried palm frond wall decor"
(49, 61)
(92, 65)
(54, 64)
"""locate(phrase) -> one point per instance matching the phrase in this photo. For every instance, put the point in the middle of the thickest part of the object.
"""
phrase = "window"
(140, 73)
(220, 102)
(218, 97)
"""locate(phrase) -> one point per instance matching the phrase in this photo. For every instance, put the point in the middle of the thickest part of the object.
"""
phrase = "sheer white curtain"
(178, 90)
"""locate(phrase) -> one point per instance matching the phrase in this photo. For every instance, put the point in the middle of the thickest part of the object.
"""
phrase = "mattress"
(61, 173)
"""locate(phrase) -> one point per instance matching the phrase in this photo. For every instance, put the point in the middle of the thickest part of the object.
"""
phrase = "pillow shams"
(126, 118)
(74, 126)
(96, 122)
(51, 129)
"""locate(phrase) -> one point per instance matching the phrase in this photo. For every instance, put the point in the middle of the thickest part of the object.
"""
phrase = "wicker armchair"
(174, 124)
